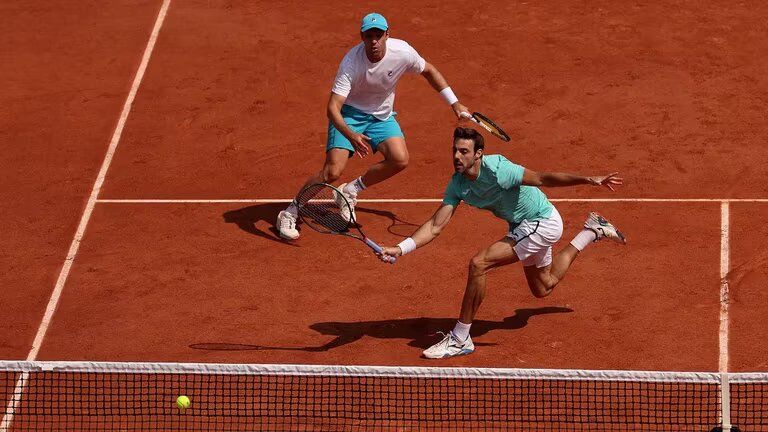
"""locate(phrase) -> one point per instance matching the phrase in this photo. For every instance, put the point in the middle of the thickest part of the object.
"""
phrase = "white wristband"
(407, 245)
(448, 95)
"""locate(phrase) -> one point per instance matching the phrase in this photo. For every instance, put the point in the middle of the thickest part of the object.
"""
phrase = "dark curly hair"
(470, 134)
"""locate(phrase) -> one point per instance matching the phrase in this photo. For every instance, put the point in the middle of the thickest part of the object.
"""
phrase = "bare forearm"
(334, 115)
(425, 234)
(435, 79)
(429, 230)
(549, 179)
(564, 179)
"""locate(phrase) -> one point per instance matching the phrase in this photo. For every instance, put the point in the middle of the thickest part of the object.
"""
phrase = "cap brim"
(376, 26)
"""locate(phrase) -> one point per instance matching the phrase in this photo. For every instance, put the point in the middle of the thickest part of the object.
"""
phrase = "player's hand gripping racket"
(323, 207)
(487, 124)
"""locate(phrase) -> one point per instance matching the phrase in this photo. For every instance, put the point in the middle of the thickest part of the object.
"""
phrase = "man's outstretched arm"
(549, 179)
(424, 234)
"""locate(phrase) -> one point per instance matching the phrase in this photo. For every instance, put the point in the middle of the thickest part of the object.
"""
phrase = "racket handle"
(467, 115)
(372, 244)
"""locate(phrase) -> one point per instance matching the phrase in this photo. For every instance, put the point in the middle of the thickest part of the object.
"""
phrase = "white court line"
(725, 252)
(427, 200)
(74, 246)
(724, 294)
(13, 404)
(5, 425)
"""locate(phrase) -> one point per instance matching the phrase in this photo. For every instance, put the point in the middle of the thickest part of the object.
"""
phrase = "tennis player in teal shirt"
(510, 192)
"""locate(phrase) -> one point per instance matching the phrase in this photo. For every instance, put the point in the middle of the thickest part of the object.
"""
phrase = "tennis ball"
(183, 402)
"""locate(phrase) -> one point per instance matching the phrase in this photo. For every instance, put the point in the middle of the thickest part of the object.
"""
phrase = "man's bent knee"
(335, 163)
(331, 173)
(542, 286)
(541, 291)
(398, 156)
(399, 164)
(478, 266)
(395, 153)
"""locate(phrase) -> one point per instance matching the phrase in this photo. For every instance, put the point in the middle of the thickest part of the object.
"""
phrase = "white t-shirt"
(370, 87)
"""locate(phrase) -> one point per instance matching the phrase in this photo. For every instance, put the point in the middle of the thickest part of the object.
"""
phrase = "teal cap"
(374, 20)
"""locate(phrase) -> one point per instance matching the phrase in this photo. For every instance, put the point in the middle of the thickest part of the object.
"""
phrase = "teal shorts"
(366, 124)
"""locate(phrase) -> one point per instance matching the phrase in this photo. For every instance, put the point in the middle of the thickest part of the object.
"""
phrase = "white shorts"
(534, 239)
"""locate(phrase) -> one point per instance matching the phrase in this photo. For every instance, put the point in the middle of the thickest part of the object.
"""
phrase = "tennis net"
(90, 396)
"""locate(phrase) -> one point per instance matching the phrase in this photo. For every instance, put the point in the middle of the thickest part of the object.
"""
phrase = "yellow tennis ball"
(183, 402)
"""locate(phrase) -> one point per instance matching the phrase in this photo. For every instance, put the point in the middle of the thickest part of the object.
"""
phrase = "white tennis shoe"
(603, 229)
(450, 347)
(348, 213)
(286, 225)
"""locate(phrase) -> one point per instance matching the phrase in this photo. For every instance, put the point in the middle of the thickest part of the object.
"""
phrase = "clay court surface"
(231, 112)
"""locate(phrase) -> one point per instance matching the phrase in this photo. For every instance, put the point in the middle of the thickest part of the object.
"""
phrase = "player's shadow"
(421, 331)
(248, 219)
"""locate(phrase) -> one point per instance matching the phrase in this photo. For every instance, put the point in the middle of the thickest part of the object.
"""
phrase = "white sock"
(583, 238)
(292, 209)
(354, 187)
(461, 331)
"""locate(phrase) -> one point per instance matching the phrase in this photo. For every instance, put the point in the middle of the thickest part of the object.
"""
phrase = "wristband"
(407, 245)
(448, 95)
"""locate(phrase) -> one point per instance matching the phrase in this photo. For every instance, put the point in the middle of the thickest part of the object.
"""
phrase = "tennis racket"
(487, 124)
(322, 207)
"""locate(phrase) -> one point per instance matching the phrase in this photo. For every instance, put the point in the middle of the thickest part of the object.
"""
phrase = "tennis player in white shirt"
(361, 116)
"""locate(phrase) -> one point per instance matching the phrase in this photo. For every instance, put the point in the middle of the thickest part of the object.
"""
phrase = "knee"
(399, 163)
(402, 162)
(478, 266)
(332, 172)
(543, 288)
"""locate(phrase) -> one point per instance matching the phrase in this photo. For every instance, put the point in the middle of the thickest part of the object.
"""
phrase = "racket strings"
(319, 208)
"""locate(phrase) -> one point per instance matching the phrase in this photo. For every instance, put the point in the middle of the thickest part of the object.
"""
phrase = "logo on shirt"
(389, 74)
(465, 192)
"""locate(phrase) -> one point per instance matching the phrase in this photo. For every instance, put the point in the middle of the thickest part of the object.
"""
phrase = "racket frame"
(338, 194)
(482, 119)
